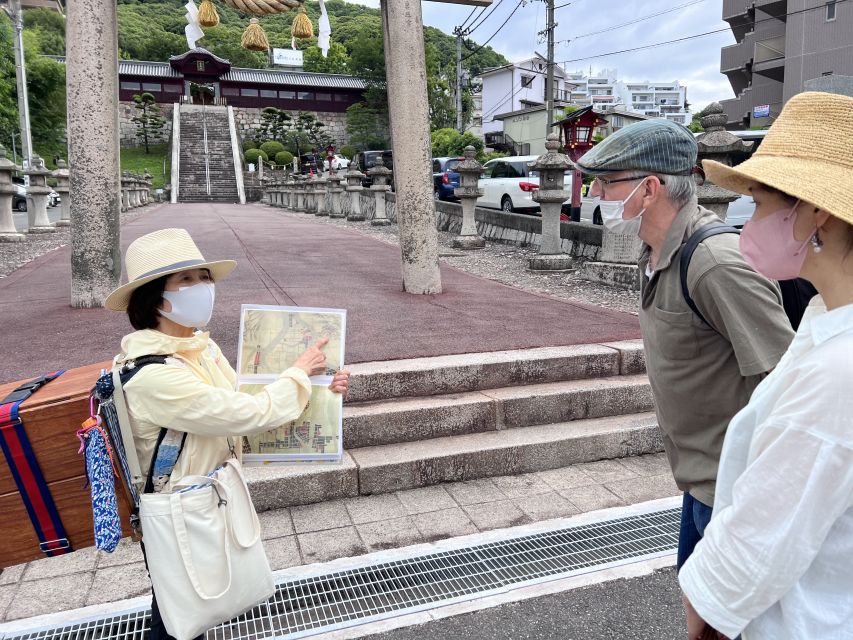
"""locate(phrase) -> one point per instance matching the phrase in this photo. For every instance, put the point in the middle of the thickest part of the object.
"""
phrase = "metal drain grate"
(323, 603)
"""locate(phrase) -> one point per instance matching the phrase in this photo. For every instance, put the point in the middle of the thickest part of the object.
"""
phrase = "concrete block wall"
(249, 123)
(128, 128)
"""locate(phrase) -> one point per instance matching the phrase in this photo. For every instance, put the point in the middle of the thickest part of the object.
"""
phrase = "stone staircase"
(219, 160)
(415, 423)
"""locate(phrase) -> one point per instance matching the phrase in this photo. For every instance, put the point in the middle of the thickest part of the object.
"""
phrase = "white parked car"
(508, 184)
(338, 162)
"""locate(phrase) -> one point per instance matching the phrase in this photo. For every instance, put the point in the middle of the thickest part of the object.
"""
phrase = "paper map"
(271, 340)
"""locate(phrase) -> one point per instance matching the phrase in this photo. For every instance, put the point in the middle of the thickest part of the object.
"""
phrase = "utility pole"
(549, 78)
(16, 14)
(459, 33)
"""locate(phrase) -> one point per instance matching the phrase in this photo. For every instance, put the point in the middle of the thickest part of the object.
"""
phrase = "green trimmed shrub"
(284, 158)
(348, 151)
(271, 148)
(249, 144)
(252, 156)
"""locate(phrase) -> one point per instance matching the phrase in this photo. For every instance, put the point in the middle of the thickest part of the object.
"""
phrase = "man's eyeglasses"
(604, 182)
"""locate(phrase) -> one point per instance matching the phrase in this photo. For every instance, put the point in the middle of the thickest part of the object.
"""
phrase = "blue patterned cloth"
(105, 513)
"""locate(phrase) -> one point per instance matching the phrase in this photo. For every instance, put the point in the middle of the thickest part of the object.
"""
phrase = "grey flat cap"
(651, 146)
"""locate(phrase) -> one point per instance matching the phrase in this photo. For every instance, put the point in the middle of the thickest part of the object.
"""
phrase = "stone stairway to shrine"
(416, 423)
(206, 170)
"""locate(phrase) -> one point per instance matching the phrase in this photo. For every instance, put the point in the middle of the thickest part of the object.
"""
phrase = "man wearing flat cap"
(702, 368)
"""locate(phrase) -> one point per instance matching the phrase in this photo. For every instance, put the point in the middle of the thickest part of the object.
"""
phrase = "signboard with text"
(287, 57)
(761, 111)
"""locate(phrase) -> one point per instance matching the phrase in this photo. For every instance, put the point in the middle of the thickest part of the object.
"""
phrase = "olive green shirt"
(702, 376)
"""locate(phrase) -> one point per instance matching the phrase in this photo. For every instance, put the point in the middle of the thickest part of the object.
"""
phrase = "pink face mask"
(769, 246)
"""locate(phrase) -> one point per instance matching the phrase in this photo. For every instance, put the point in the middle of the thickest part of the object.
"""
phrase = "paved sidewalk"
(351, 527)
(290, 261)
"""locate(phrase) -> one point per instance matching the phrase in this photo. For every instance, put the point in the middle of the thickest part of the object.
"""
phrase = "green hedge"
(249, 144)
(284, 158)
(252, 156)
(271, 148)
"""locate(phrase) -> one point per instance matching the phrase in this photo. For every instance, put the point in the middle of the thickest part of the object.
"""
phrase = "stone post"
(146, 187)
(266, 190)
(124, 182)
(616, 264)
(468, 192)
(137, 189)
(321, 189)
(381, 177)
(63, 180)
(300, 187)
(354, 188)
(717, 144)
(285, 189)
(38, 193)
(551, 195)
(408, 108)
(336, 209)
(8, 232)
(93, 143)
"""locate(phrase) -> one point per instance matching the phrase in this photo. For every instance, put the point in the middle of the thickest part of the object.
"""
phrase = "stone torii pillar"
(408, 108)
(93, 145)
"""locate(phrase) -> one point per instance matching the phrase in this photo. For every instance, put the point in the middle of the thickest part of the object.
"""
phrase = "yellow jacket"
(194, 392)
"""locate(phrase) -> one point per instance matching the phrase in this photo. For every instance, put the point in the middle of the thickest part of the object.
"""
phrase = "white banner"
(287, 57)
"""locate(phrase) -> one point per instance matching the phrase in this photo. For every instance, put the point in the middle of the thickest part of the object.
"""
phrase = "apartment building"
(781, 45)
(653, 99)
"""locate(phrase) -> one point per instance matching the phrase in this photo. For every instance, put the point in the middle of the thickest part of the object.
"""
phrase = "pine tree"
(148, 119)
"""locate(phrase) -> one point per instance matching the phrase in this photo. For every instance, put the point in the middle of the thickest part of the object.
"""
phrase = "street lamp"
(577, 134)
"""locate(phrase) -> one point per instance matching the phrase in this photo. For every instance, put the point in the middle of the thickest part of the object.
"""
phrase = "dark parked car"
(367, 160)
(444, 177)
(309, 162)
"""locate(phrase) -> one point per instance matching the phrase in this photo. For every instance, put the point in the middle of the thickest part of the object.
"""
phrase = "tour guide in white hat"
(702, 370)
(169, 299)
(776, 561)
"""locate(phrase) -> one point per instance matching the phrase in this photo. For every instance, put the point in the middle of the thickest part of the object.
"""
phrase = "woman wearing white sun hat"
(169, 297)
(777, 558)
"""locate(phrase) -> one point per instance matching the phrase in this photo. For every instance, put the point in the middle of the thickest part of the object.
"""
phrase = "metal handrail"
(206, 149)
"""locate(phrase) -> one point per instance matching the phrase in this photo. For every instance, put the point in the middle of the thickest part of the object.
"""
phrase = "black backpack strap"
(132, 368)
(698, 236)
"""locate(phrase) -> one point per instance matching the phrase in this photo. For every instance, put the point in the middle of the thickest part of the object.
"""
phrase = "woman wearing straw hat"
(777, 558)
(170, 296)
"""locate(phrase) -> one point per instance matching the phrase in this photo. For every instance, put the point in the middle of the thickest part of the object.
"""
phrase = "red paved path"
(287, 261)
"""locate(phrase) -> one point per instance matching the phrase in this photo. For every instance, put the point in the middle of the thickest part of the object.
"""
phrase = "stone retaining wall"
(128, 128)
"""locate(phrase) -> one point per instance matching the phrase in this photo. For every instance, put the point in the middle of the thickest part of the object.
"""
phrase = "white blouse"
(777, 558)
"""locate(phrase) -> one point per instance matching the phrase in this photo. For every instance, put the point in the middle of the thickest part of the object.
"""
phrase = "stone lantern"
(146, 187)
(717, 144)
(381, 176)
(354, 188)
(321, 207)
(63, 188)
(8, 232)
(468, 192)
(336, 209)
(38, 193)
(551, 195)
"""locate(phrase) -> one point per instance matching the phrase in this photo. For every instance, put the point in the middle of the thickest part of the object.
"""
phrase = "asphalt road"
(646, 608)
(53, 214)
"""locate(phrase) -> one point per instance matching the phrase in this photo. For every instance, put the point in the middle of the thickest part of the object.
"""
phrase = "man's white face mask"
(191, 306)
(613, 210)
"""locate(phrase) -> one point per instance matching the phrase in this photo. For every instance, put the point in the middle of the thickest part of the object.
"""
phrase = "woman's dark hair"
(144, 304)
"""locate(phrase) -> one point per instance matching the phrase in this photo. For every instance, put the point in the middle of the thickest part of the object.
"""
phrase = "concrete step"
(477, 371)
(383, 469)
(412, 419)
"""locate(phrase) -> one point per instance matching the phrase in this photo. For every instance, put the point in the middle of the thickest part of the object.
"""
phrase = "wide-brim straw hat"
(159, 254)
(807, 154)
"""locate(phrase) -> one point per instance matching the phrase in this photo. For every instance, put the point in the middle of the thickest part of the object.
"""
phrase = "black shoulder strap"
(698, 236)
(130, 370)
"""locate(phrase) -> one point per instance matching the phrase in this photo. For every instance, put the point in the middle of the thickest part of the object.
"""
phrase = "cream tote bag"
(205, 555)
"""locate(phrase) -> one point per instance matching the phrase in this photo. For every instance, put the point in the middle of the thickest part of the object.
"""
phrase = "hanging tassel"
(302, 27)
(207, 15)
(254, 37)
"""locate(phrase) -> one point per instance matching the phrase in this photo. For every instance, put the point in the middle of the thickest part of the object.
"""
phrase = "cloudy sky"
(694, 62)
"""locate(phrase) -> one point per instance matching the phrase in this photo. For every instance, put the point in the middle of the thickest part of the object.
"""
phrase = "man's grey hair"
(679, 189)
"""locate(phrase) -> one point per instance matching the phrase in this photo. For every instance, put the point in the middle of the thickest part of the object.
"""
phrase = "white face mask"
(611, 215)
(191, 306)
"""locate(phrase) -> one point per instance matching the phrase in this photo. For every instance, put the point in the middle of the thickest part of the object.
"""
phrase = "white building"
(655, 99)
(476, 124)
(517, 86)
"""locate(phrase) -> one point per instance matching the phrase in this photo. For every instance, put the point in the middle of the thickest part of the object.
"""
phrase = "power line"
(520, 2)
(464, 22)
(634, 21)
(483, 17)
(692, 37)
